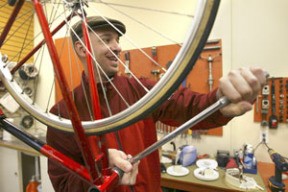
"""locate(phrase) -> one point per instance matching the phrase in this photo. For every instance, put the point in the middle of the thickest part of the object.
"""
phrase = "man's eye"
(106, 40)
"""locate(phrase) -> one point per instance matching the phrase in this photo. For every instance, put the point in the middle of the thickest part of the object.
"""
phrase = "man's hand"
(121, 160)
(241, 87)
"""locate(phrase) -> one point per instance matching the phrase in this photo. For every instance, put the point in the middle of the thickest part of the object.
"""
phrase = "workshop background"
(252, 33)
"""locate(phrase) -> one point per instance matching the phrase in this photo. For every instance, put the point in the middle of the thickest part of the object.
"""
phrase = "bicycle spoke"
(188, 46)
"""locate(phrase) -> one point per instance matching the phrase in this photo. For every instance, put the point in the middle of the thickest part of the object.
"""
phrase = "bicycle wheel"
(191, 46)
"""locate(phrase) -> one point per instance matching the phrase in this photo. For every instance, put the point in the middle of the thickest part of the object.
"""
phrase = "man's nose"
(115, 46)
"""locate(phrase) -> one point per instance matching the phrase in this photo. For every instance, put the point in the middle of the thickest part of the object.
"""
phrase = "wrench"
(223, 101)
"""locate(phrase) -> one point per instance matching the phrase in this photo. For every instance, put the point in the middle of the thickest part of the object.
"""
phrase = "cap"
(96, 22)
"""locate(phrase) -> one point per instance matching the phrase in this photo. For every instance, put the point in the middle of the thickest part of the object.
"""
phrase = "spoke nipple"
(5, 58)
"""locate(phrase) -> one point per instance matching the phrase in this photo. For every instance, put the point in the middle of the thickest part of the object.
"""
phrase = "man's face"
(107, 39)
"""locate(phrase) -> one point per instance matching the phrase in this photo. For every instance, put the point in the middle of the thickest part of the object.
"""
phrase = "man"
(239, 86)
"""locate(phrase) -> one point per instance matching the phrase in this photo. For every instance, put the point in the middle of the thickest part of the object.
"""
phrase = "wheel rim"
(180, 67)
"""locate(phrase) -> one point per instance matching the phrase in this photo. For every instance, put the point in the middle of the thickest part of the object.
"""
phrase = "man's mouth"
(112, 58)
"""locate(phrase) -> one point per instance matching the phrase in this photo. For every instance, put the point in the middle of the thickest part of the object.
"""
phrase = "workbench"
(190, 183)
(185, 183)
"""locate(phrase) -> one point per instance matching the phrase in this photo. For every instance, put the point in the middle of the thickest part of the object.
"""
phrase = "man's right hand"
(121, 160)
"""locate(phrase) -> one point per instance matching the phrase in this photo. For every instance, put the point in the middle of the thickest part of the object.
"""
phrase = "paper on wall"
(8, 102)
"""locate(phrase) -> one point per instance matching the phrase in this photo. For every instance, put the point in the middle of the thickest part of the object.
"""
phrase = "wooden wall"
(20, 39)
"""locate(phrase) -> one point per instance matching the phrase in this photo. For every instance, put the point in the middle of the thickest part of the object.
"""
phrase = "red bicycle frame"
(109, 180)
(105, 179)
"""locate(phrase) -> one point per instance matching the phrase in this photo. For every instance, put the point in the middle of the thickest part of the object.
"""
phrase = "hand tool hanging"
(154, 71)
(210, 78)
(273, 119)
(281, 101)
(211, 45)
(210, 60)
(127, 63)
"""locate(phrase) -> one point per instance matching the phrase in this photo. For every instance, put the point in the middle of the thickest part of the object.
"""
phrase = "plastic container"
(188, 155)
(32, 185)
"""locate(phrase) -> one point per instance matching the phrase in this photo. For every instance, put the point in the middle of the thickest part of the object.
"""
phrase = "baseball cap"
(96, 22)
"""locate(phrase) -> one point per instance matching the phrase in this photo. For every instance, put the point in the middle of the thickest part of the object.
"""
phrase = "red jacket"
(179, 108)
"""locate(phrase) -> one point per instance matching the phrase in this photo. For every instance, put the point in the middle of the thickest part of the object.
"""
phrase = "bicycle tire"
(181, 66)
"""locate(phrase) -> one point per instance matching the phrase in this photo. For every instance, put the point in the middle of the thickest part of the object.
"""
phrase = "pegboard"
(197, 80)
(26, 78)
(273, 99)
(142, 66)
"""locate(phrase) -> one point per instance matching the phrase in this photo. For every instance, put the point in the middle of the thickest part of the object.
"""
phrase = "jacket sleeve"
(62, 179)
(185, 104)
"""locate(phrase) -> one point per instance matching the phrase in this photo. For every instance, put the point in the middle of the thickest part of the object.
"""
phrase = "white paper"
(8, 102)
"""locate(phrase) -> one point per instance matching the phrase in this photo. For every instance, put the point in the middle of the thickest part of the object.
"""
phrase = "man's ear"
(80, 49)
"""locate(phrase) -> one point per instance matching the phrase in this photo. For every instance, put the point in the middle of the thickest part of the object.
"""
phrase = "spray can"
(249, 157)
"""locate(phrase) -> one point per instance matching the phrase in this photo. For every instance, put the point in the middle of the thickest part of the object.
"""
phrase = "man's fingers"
(242, 84)
(236, 109)
(228, 88)
(124, 164)
(120, 159)
(260, 74)
(241, 87)
(129, 178)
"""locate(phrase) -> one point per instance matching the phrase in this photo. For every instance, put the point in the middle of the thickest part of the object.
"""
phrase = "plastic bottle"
(249, 156)
(32, 185)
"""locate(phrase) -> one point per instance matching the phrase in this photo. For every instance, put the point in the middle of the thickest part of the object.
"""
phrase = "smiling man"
(239, 86)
